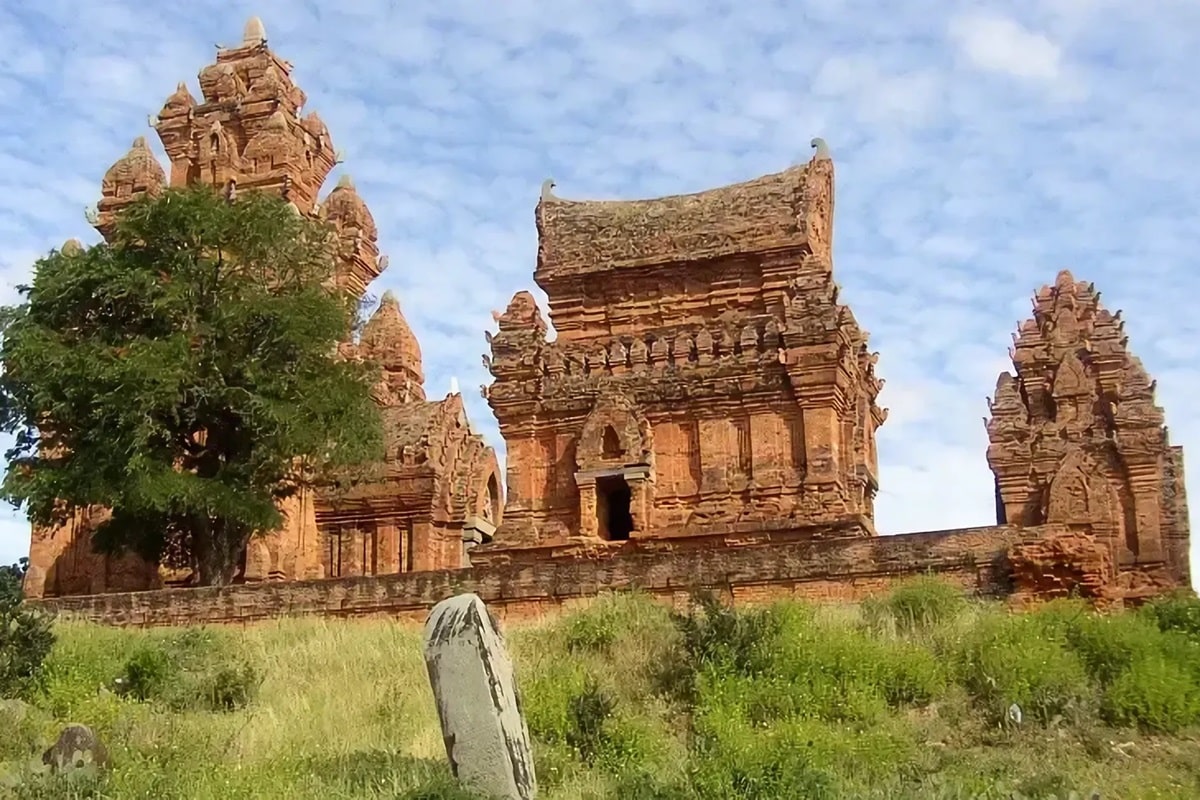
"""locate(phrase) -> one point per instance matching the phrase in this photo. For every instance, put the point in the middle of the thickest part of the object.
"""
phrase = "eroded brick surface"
(438, 490)
(795, 565)
(704, 417)
(1076, 438)
(704, 373)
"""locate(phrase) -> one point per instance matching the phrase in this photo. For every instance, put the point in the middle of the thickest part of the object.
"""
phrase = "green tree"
(26, 634)
(184, 374)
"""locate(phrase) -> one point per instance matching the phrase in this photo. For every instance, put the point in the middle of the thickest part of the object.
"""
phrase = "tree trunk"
(218, 550)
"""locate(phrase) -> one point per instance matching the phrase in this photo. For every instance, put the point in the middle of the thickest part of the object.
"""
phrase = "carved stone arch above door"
(614, 469)
(1083, 492)
(615, 434)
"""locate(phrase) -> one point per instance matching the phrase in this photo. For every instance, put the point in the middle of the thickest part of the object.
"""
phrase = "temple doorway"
(613, 499)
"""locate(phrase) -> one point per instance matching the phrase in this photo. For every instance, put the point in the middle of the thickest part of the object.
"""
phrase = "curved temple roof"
(762, 214)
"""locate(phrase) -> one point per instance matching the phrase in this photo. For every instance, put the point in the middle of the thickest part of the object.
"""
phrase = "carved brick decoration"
(246, 132)
(705, 416)
(704, 374)
(1076, 437)
(437, 497)
(438, 492)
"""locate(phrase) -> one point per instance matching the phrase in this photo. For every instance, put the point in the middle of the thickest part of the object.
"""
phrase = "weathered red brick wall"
(846, 569)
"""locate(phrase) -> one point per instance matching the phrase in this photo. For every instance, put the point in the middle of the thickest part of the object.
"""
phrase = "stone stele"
(487, 740)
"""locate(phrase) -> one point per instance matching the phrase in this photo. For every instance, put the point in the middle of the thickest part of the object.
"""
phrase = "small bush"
(1010, 660)
(231, 688)
(547, 698)
(26, 635)
(830, 672)
(1178, 612)
(909, 675)
(715, 637)
(919, 603)
(146, 675)
(1108, 645)
(589, 710)
(590, 632)
(1153, 693)
(734, 760)
(192, 670)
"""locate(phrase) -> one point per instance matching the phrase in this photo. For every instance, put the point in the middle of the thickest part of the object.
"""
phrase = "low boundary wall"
(838, 570)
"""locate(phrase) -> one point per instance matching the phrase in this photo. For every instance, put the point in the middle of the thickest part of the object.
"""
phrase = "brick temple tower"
(1076, 438)
(438, 492)
(704, 381)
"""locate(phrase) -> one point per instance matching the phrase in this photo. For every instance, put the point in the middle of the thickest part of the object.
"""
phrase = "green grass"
(908, 696)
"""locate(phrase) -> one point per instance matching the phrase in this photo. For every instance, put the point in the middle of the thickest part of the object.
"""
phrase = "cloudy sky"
(980, 147)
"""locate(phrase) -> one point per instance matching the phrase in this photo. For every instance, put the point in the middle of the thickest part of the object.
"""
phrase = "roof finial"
(547, 189)
(822, 149)
(454, 386)
(254, 33)
(345, 182)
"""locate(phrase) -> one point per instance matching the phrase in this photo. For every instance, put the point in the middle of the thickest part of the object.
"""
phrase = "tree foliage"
(184, 374)
(26, 634)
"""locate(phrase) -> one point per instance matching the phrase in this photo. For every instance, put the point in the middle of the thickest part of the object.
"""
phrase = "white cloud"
(960, 190)
(999, 44)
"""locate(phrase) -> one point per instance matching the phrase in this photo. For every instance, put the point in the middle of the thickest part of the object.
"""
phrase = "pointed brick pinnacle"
(254, 33)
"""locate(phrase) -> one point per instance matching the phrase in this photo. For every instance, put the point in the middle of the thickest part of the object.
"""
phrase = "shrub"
(231, 687)
(918, 603)
(715, 637)
(146, 675)
(26, 635)
(591, 631)
(1009, 660)
(909, 675)
(1154, 693)
(191, 670)
(1176, 612)
(1109, 645)
(588, 711)
(734, 760)
(547, 698)
(830, 672)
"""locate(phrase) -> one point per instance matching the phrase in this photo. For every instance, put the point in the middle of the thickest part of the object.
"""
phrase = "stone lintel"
(478, 530)
(636, 472)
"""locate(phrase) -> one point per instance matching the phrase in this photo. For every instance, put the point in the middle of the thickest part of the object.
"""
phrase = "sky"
(979, 149)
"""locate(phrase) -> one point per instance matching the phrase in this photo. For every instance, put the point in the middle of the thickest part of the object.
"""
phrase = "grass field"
(917, 695)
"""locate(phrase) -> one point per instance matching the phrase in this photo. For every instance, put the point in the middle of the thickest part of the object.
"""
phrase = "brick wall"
(846, 569)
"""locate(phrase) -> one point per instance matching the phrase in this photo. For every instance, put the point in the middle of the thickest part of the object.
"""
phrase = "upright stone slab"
(486, 738)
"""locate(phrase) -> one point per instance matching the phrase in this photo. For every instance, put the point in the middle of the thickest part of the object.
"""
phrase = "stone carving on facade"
(749, 403)
(438, 492)
(705, 387)
(1076, 438)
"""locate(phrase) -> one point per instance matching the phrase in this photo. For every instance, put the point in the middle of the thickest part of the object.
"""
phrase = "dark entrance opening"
(612, 508)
